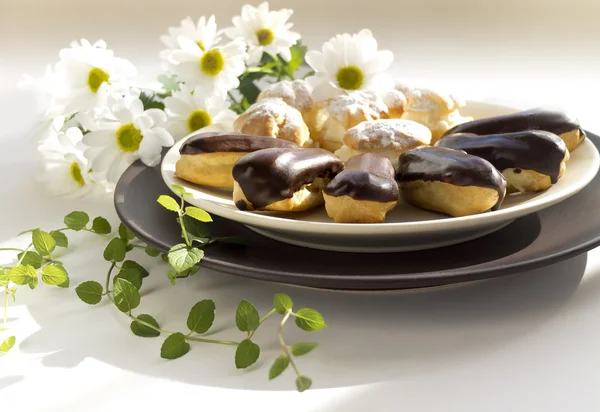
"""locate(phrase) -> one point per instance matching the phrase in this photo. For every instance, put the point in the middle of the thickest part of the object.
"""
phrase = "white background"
(528, 342)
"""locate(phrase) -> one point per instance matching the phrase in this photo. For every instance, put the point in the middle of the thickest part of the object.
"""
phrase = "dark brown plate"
(567, 229)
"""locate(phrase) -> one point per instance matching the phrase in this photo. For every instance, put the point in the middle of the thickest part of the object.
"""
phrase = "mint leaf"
(125, 234)
(130, 275)
(60, 238)
(172, 275)
(298, 52)
(309, 320)
(4, 276)
(130, 264)
(54, 275)
(282, 303)
(182, 258)
(280, 365)
(198, 214)
(65, 284)
(101, 226)
(164, 257)
(22, 275)
(90, 292)
(77, 220)
(180, 191)
(142, 330)
(174, 346)
(115, 250)
(303, 383)
(201, 316)
(151, 100)
(7, 344)
(126, 295)
(246, 354)
(302, 348)
(150, 251)
(31, 258)
(43, 243)
(33, 282)
(195, 228)
(246, 316)
(168, 203)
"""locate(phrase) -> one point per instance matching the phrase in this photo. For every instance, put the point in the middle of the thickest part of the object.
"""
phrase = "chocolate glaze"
(535, 119)
(270, 175)
(450, 166)
(366, 177)
(534, 150)
(230, 142)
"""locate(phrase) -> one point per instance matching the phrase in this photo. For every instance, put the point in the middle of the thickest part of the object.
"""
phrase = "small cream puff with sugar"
(385, 137)
(296, 93)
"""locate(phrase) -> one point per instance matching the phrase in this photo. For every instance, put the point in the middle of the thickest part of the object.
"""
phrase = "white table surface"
(527, 342)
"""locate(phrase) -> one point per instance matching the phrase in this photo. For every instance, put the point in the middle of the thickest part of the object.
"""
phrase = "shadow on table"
(371, 337)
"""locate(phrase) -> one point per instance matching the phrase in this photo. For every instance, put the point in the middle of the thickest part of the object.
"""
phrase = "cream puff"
(296, 94)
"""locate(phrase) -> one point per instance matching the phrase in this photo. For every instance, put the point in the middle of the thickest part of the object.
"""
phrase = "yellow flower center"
(265, 36)
(76, 174)
(95, 79)
(201, 45)
(350, 78)
(212, 62)
(198, 120)
(129, 138)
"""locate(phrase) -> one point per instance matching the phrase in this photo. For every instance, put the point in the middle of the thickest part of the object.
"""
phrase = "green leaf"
(150, 251)
(101, 226)
(4, 276)
(303, 383)
(180, 191)
(280, 365)
(43, 242)
(195, 228)
(130, 264)
(298, 52)
(54, 275)
(125, 233)
(168, 203)
(198, 214)
(7, 344)
(309, 320)
(90, 292)
(151, 100)
(22, 275)
(282, 303)
(169, 83)
(302, 348)
(60, 238)
(126, 295)
(33, 282)
(77, 220)
(246, 354)
(246, 316)
(115, 250)
(174, 346)
(31, 258)
(142, 330)
(172, 275)
(182, 258)
(130, 275)
(201, 316)
(25, 232)
(165, 257)
(248, 89)
(65, 284)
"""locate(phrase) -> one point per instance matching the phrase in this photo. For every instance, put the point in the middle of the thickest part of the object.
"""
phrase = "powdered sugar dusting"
(295, 93)
(389, 134)
(354, 103)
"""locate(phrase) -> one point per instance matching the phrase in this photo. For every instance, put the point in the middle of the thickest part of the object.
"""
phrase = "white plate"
(406, 227)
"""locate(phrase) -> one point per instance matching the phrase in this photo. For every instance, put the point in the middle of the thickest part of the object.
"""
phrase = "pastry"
(333, 117)
(208, 158)
(530, 161)
(449, 181)
(363, 192)
(283, 179)
(438, 111)
(273, 117)
(559, 123)
(395, 101)
(388, 137)
(296, 94)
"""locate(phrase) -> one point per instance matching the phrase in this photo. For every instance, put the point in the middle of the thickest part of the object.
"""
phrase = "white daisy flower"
(348, 63)
(87, 71)
(191, 110)
(204, 34)
(215, 70)
(65, 171)
(114, 144)
(264, 31)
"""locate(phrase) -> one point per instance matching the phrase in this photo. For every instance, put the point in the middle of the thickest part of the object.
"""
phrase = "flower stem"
(260, 322)
(14, 249)
(285, 348)
(112, 266)
(5, 307)
(24, 253)
(185, 236)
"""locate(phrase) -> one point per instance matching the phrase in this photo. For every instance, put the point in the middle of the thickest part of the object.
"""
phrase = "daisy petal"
(99, 138)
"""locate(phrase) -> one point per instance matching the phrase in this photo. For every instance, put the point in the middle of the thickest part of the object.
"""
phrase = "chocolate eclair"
(363, 192)
(283, 179)
(449, 181)
(530, 161)
(208, 158)
(553, 121)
